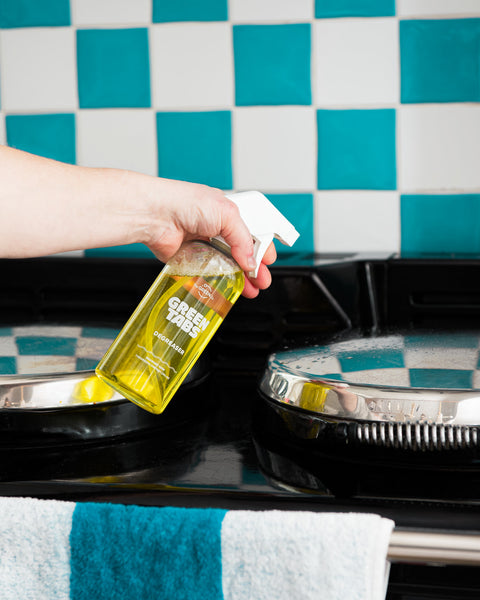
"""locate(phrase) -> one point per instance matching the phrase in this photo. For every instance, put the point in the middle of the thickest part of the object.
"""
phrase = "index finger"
(270, 255)
(236, 234)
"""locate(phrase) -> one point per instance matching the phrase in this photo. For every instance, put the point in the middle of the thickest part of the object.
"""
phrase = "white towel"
(35, 549)
(53, 550)
(289, 555)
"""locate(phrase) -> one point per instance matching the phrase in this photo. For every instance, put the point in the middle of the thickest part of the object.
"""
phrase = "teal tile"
(51, 135)
(6, 331)
(34, 13)
(440, 224)
(354, 8)
(457, 339)
(164, 11)
(113, 68)
(440, 60)
(127, 251)
(356, 149)
(441, 378)
(298, 209)
(272, 64)
(45, 346)
(8, 365)
(336, 376)
(106, 333)
(196, 147)
(367, 360)
(85, 364)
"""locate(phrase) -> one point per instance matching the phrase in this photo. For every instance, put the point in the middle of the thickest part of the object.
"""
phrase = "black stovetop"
(226, 448)
(223, 444)
(229, 454)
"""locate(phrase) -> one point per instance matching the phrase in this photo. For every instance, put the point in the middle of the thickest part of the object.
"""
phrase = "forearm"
(48, 207)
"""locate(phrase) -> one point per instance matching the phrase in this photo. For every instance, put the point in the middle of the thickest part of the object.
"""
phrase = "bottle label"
(208, 295)
(185, 317)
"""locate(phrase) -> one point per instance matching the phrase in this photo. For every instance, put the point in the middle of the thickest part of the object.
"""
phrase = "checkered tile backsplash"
(423, 361)
(63, 349)
(360, 119)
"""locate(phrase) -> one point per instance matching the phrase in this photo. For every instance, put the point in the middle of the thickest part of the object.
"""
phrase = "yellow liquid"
(171, 327)
(92, 390)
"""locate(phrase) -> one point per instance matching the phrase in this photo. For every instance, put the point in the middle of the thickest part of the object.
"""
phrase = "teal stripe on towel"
(137, 553)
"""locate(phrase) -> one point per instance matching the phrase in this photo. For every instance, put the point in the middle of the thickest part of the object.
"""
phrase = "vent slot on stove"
(445, 299)
(437, 294)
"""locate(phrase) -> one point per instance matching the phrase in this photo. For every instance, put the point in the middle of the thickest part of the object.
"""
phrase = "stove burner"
(49, 392)
(402, 391)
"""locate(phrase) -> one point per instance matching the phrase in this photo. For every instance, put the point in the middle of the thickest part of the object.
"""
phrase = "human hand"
(70, 207)
(183, 211)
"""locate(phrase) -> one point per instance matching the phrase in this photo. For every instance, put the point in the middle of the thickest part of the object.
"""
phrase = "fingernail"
(251, 263)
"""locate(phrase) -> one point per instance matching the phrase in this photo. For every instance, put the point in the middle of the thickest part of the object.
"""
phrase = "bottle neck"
(222, 246)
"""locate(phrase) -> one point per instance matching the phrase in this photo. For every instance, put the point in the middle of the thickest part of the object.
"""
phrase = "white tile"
(439, 147)
(388, 342)
(455, 358)
(270, 10)
(111, 12)
(30, 365)
(357, 221)
(38, 69)
(415, 8)
(123, 139)
(191, 65)
(8, 347)
(355, 61)
(476, 382)
(93, 348)
(43, 331)
(274, 148)
(397, 376)
(327, 364)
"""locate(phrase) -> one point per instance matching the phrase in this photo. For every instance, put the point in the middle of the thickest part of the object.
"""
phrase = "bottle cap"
(264, 222)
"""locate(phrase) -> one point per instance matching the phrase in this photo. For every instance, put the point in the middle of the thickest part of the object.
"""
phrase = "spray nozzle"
(264, 222)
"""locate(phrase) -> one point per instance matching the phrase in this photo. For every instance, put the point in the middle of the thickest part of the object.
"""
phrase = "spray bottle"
(184, 307)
